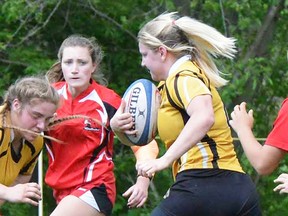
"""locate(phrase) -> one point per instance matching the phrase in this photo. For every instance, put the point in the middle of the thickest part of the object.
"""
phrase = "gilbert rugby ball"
(142, 102)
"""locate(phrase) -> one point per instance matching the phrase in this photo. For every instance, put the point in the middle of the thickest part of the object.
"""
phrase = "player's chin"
(155, 78)
(30, 137)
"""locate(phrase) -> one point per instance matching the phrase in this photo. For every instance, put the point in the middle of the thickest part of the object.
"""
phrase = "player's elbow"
(209, 121)
(264, 169)
(263, 172)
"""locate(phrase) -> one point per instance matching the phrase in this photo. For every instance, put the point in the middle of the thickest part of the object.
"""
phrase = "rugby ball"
(142, 102)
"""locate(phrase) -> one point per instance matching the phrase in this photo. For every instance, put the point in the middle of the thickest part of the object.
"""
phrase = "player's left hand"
(138, 193)
(283, 186)
(241, 119)
(24, 193)
(150, 167)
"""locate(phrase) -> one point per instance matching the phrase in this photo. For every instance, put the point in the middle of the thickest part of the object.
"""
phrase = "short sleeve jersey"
(278, 136)
(86, 155)
(216, 149)
(12, 164)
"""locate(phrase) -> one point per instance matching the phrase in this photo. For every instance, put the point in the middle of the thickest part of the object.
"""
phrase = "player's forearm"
(3, 193)
(22, 179)
(195, 129)
(251, 147)
(146, 152)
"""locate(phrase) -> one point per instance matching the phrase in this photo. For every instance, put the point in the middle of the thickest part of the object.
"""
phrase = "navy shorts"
(216, 193)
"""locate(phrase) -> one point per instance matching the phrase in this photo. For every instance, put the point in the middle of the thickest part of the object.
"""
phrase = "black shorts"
(212, 193)
(96, 197)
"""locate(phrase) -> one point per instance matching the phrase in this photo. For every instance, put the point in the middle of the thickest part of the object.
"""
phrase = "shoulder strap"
(196, 75)
(181, 110)
(177, 75)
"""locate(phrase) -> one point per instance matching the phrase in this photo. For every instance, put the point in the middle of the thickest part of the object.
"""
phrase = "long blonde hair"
(185, 35)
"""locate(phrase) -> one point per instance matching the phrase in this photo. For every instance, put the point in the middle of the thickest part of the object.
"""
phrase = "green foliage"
(12, 209)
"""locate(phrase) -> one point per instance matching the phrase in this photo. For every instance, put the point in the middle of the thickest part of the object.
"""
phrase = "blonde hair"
(54, 74)
(185, 35)
(29, 90)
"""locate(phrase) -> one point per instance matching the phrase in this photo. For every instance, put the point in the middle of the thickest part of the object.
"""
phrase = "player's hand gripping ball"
(142, 102)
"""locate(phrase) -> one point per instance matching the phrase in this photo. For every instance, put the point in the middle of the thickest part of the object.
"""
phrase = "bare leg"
(73, 206)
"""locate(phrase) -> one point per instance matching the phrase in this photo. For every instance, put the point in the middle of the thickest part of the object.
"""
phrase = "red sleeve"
(278, 137)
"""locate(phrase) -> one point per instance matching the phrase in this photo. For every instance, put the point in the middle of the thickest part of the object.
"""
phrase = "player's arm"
(201, 120)
(264, 158)
(22, 179)
(201, 113)
(138, 193)
(146, 152)
(4, 190)
(21, 191)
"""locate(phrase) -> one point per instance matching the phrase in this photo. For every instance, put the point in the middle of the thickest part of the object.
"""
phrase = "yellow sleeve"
(187, 88)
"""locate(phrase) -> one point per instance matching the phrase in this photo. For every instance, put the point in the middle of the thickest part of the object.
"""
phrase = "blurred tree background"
(32, 31)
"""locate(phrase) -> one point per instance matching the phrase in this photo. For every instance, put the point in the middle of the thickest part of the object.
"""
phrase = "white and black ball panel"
(142, 102)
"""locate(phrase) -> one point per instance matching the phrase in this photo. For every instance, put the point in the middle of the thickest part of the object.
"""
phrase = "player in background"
(81, 170)
(29, 105)
(264, 158)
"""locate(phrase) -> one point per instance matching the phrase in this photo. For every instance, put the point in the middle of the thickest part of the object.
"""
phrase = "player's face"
(151, 59)
(77, 67)
(33, 117)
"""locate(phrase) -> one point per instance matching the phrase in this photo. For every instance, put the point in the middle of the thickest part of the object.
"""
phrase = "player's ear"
(162, 51)
(16, 104)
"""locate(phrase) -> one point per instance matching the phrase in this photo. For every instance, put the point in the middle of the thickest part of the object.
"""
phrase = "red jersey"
(85, 158)
(278, 136)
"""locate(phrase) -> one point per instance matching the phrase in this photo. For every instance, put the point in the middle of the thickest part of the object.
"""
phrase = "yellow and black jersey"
(12, 164)
(216, 149)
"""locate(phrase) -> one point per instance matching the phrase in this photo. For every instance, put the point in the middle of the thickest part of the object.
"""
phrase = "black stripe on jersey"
(2, 135)
(3, 154)
(176, 89)
(199, 77)
(196, 75)
(226, 114)
(212, 146)
(48, 143)
(31, 147)
(98, 150)
(110, 111)
(183, 112)
(16, 156)
(1, 141)
(25, 169)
